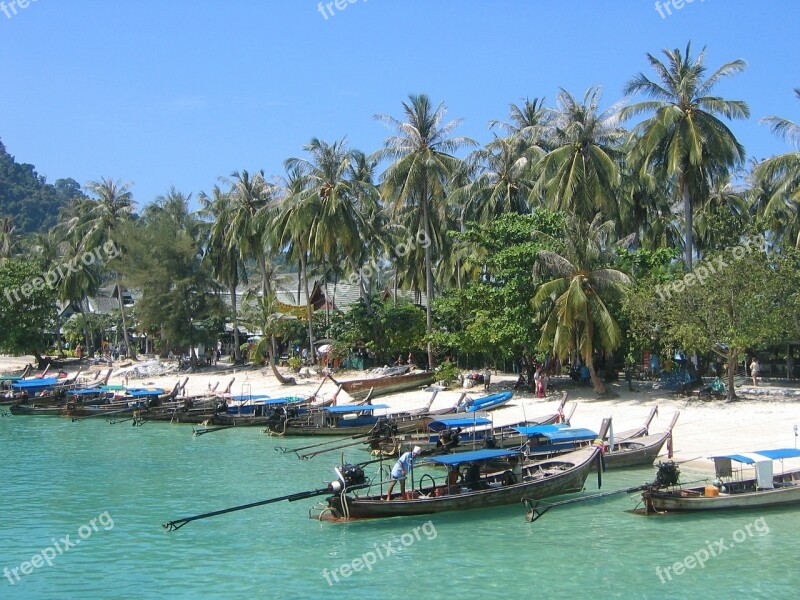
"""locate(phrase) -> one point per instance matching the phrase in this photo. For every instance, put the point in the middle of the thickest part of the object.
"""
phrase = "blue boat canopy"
(472, 456)
(531, 430)
(142, 392)
(35, 383)
(780, 453)
(354, 408)
(243, 397)
(750, 458)
(85, 392)
(559, 433)
(441, 425)
(284, 400)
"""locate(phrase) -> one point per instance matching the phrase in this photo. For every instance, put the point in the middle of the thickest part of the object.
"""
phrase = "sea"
(83, 504)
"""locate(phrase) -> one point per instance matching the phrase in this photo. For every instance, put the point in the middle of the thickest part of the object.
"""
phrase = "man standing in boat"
(400, 471)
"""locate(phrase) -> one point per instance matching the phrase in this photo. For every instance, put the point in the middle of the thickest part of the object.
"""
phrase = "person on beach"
(79, 351)
(487, 378)
(539, 378)
(755, 371)
(400, 471)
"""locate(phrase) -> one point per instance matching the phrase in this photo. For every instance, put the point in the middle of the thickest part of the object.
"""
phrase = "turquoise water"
(57, 476)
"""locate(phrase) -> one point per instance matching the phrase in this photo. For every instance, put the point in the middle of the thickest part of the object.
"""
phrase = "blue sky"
(180, 92)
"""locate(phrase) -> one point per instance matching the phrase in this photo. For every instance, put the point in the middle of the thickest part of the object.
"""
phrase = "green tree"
(423, 164)
(164, 261)
(685, 139)
(580, 173)
(225, 261)
(780, 176)
(574, 306)
(111, 208)
(27, 309)
(734, 301)
(491, 315)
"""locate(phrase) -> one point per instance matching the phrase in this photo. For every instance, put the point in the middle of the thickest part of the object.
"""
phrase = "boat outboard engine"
(490, 442)
(349, 476)
(383, 429)
(667, 474)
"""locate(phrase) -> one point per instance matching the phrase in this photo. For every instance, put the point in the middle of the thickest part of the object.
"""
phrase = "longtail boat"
(344, 420)
(450, 431)
(480, 489)
(490, 402)
(636, 451)
(391, 384)
(732, 488)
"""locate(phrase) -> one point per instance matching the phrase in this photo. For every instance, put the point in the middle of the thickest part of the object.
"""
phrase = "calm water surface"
(56, 476)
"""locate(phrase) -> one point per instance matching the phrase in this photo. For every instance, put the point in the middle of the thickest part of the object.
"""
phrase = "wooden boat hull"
(558, 482)
(635, 452)
(380, 386)
(786, 492)
(37, 411)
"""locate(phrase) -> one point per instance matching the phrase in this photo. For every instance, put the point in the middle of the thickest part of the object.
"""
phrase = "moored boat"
(490, 402)
(636, 451)
(732, 488)
(358, 389)
(534, 480)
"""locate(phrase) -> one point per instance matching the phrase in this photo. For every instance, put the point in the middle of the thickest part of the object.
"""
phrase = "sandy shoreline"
(705, 428)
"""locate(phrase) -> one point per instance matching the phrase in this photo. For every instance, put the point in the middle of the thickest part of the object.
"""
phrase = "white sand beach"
(704, 428)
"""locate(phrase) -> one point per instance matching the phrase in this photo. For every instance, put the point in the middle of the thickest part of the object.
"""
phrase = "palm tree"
(422, 151)
(226, 262)
(722, 217)
(501, 180)
(294, 222)
(47, 248)
(366, 196)
(573, 305)
(8, 241)
(253, 201)
(685, 139)
(781, 175)
(528, 123)
(329, 196)
(580, 173)
(112, 207)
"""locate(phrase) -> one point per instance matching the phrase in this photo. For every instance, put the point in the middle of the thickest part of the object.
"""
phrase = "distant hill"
(26, 196)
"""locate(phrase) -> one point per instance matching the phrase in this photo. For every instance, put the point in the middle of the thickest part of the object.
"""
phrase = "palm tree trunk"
(59, 346)
(731, 391)
(396, 284)
(86, 337)
(237, 353)
(266, 291)
(304, 275)
(325, 288)
(688, 225)
(131, 350)
(597, 384)
(428, 277)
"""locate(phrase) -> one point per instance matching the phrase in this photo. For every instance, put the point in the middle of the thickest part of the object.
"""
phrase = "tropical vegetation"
(554, 240)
